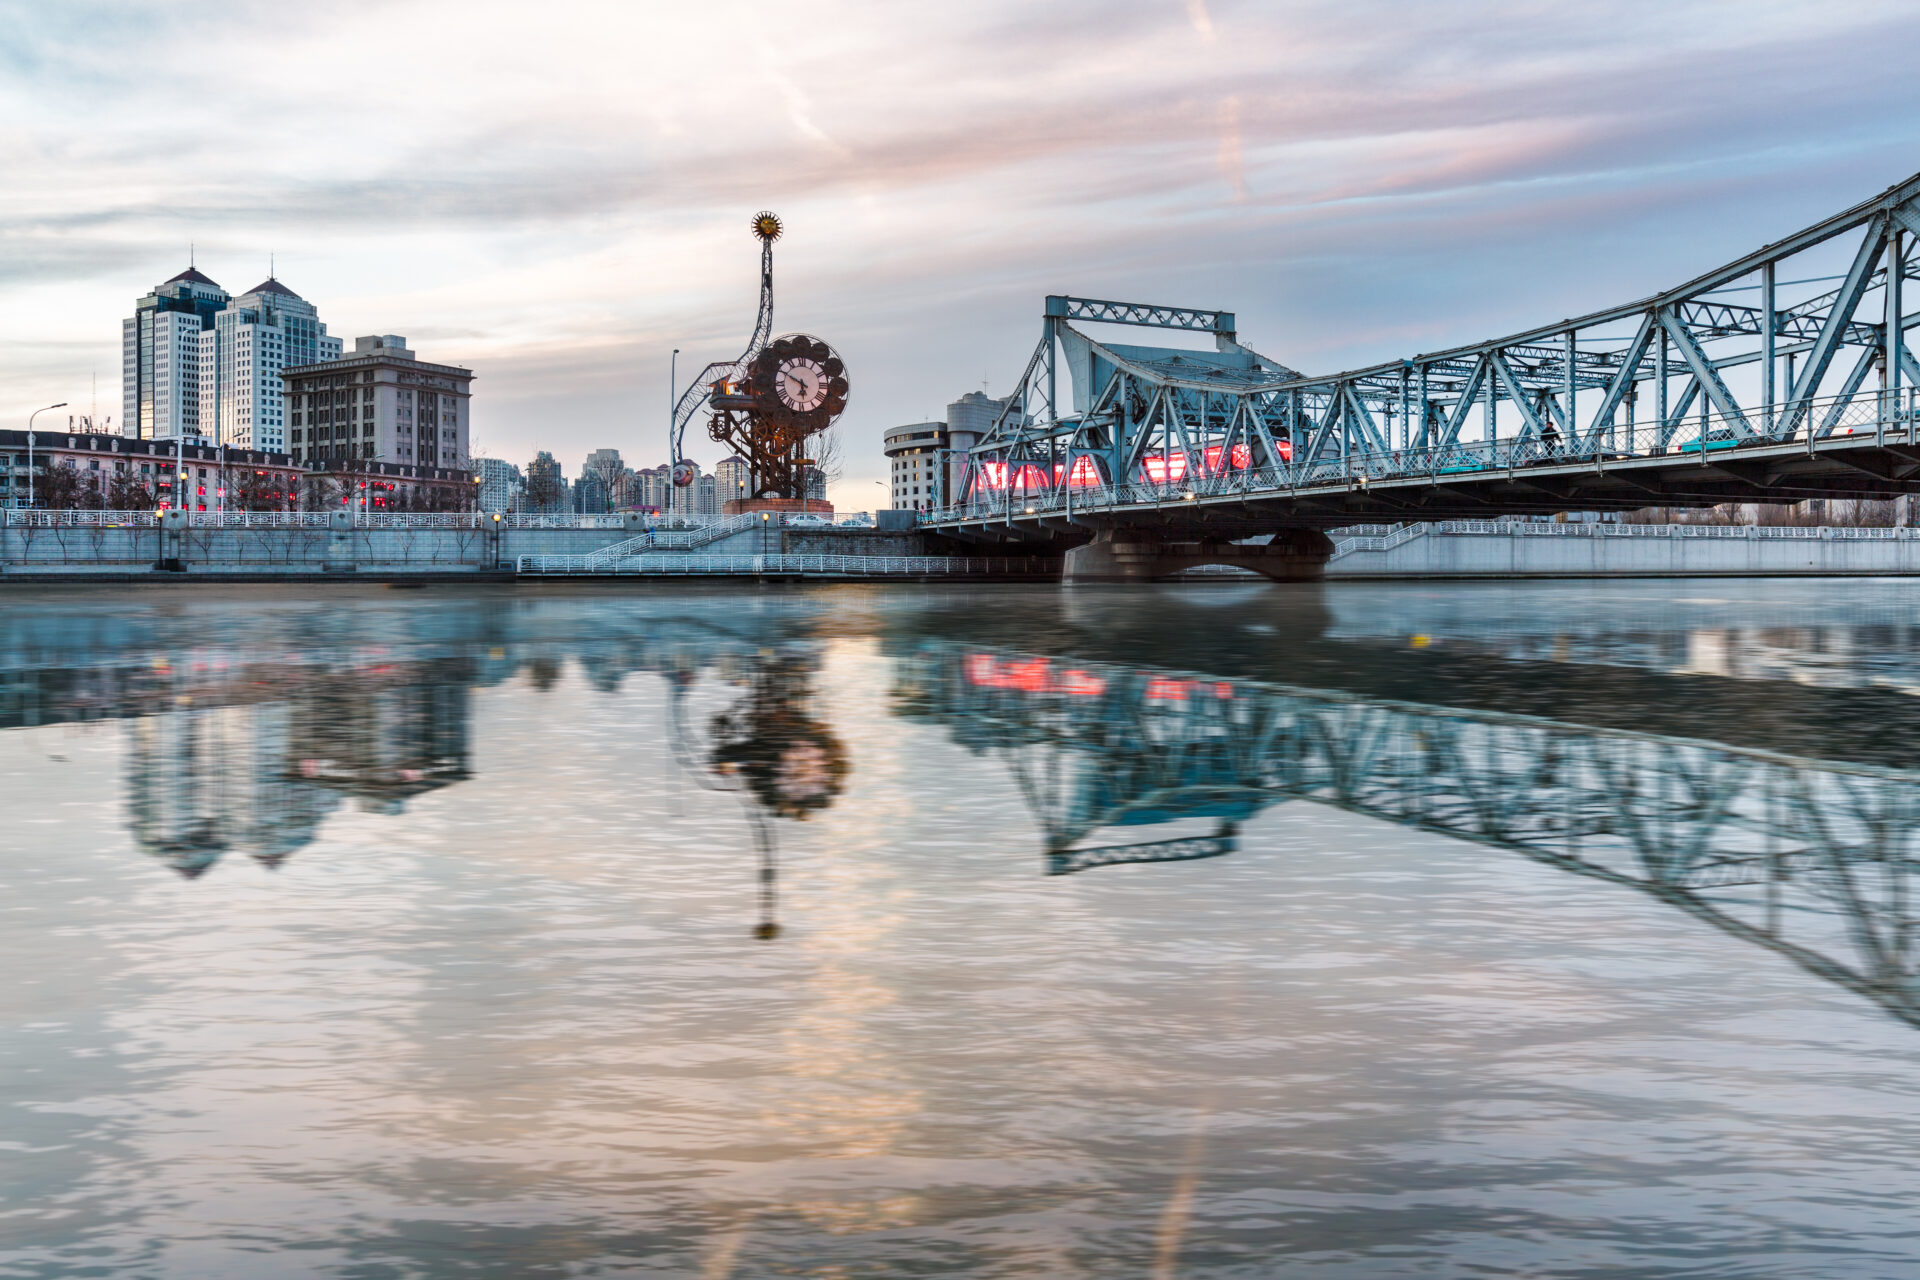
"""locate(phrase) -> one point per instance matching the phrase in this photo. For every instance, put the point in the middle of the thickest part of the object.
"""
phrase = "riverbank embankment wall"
(242, 552)
(1495, 549)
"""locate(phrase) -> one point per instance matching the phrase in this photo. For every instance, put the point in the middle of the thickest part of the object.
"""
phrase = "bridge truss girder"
(1774, 346)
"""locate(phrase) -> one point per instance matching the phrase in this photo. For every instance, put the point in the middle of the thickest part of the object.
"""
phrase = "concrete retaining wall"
(851, 542)
(213, 552)
(28, 552)
(1744, 553)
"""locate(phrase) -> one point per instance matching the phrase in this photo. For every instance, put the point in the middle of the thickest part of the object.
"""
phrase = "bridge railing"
(1539, 529)
(1687, 431)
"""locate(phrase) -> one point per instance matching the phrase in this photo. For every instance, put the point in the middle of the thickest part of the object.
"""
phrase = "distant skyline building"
(600, 483)
(160, 357)
(681, 498)
(603, 482)
(915, 453)
(733, 479)
(269, 328)
(500, 484)
(379, 402)
(969, 419)
(546, 485)
(650, 487)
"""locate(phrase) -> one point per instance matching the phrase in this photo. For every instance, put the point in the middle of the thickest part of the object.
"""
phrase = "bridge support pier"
(1297, 555)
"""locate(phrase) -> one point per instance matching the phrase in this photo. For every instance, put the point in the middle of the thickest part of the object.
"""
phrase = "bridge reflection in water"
(248, 751)
(1808, 858)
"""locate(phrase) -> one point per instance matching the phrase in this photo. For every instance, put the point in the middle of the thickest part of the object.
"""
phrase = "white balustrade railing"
(666, 565)
(669, 531)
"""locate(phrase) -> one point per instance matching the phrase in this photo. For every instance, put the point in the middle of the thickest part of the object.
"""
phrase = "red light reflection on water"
(1031, 675)
(1175, 689)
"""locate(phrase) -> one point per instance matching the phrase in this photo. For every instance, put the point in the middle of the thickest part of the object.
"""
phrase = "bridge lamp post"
(30, 417)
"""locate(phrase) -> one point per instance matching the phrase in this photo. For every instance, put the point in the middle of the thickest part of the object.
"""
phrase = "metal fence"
(803, 566)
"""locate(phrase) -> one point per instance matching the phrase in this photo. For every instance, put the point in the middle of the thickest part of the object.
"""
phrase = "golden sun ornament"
(766, 226)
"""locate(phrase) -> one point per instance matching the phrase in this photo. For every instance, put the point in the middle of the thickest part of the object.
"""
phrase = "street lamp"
(30, 417)
(673, 408)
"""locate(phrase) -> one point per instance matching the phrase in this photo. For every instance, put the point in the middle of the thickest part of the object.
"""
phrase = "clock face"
(801, 384)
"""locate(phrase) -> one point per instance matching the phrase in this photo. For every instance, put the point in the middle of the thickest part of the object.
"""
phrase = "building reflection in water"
(232, 752)
(258, 777)
(1813, 859)
(1807, 855)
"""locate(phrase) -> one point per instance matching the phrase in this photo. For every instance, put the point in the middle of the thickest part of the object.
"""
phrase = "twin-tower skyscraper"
(198, 362)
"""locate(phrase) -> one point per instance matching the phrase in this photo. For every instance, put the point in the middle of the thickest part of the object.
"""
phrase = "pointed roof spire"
(270, 285)
(192, 276)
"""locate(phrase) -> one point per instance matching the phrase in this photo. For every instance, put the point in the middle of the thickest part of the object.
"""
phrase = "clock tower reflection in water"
(767, 747)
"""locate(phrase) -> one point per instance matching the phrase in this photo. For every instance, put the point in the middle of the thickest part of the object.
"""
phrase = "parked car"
(807, 520)
(861, 521)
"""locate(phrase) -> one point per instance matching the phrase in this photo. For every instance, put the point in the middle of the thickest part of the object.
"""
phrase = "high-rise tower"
(160, 357)
(264, 330)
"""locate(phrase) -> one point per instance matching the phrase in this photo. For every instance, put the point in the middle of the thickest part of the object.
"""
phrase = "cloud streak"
(558, 197)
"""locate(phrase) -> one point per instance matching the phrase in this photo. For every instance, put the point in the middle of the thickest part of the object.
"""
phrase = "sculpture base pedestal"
(795, 506)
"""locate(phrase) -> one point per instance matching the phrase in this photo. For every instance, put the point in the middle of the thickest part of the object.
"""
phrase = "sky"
(558, 195)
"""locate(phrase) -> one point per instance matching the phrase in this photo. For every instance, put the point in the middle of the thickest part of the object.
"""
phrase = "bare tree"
(829, 457)
(129, 492)
(58, 488)
(609, 472)
(542, 490)
(252, 490)
(325, 492)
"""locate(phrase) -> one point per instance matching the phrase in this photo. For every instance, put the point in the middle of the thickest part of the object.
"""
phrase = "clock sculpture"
(766, 405)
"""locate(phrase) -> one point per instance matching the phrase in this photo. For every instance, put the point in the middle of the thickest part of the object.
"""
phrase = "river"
(1365, 930)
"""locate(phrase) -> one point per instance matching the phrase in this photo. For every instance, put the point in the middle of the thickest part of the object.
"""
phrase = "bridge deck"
(1864, 452)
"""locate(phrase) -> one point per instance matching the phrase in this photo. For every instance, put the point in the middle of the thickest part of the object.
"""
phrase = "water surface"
(1357, 931)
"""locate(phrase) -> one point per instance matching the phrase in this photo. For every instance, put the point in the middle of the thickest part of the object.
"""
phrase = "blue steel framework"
(1756, 373)
(1812, 859)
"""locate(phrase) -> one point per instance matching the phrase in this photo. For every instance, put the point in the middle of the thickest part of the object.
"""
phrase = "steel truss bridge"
(1781, 376)
(1812, 859)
